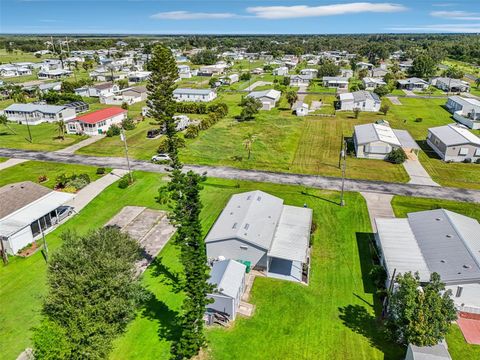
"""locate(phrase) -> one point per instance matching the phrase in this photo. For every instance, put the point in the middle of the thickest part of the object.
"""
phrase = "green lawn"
(19, 56)
(31, 170)
(465, 67)
(44, 138)
(458, 348)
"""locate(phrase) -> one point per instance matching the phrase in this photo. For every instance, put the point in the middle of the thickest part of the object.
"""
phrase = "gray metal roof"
(228, 276)
(363, 95)
(449, 243)
(335, 78)
(272, 94)
(453, 134)
(368, 133)
(413, 80)
(192, 91)
(251, 216)
(47, 109)
(406, 139)
(436, 352)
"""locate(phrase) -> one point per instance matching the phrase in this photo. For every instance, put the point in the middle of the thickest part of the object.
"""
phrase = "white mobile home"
(268, 98)
(97, 122)
(361, 100)
(194, 95)
(454, 143)
(35, 114)
(465, 110)
(338, 82)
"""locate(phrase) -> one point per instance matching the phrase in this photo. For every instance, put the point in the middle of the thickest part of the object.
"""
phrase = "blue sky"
(238, 17)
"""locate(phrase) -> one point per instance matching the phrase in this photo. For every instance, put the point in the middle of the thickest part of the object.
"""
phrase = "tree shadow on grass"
(221, 186)
(166, 275)
(359, 320)
(365, 254)
(156, 310)
(321, 198)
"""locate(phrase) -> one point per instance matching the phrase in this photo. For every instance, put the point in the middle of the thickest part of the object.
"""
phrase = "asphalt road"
(321, 182)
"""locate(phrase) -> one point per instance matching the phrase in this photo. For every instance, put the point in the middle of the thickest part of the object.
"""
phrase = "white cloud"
(298, 11)
(443, 4)
(456, 15)
(187, 15)
(443, 28)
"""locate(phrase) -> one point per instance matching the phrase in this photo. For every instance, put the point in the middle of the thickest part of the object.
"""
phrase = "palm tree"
(248, 143)
(4, 122)
(61, 129)
(291, 96)
(477, 82)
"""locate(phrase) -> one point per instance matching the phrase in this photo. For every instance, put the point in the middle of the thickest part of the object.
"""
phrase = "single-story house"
(78, 106)
(465, 110)
(440, 241)
(363, 65)
(212, 70)
(184, 72)
(228, 277)
(412, 83)
(338, 82)
(10, 70)
(406, 65)
(28, 210)
(257, 227)
(36, 114)
(100, 90)
(300, 108)
(454, 143)
(96, 122)
(451, 85)
(346, 73)
(268, 98)
(371, 83)
(280, 71)
(310, 73)
(53, 74)
(299, 80)
(229, 79)
(194, 95)
(361, 100)
(376, 141)
(379, 72)
(138, 76)
(129, 96)
(257, 71)
(436, 352)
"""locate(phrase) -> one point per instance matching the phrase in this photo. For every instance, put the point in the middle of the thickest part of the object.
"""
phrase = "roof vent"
(234, 226)
(466, 266)
(249, 197)
(259, 198)
(448, 236)
(438, 219)
(443, 261)
(246, 226)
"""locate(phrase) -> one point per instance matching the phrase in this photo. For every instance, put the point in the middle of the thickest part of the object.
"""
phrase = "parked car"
(153, 133)
(64, 211)
(160, 158)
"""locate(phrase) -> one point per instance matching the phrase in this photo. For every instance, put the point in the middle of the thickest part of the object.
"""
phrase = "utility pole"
(343, 156)
(124, 139)
(4, 251)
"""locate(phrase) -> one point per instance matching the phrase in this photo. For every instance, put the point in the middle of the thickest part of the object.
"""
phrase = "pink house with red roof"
(96, 122)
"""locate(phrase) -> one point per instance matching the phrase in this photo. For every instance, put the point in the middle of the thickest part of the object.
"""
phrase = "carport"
(288, 258)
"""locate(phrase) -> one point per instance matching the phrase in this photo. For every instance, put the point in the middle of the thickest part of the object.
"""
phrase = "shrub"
(70, 189)
(42, 178)
(124, 182)
(113, 130)
(100, 171)
(61, 181)
(128, 124)
(245, 76)
(192, 132)
(124, 106)
(378, 276)
(384, 109)
(419, 120)
(397, 156)
(467, 161)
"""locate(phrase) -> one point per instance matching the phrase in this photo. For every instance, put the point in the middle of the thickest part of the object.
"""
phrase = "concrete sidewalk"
(89, 192)
(379, 206)
(11, 162)
(71, 149)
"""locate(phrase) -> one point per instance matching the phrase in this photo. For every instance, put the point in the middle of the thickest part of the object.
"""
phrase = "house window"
(477, 152)
(429, 136)
(463, 151)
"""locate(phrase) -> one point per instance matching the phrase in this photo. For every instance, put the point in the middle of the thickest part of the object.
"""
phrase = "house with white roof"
(310, 73)
(128, 96)
(259, 228)
(412, 83)
(268, 98)
(99, 90)
(184, 72)
(338, 82)
(376, 141)
(13, 70)
(194, 95)
(361, 100)
(53, 74)
(299, 80)
(450, 85)
(465, 110)
(28, 211)
(364, 66)
(228, 277)
(280, 71)
(454, 143)
(138, 76)
(440, 241)
(35, 114)
(300, 108)
(371, 83)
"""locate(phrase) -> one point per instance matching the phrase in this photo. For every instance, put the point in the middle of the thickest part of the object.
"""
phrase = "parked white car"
(160, 158)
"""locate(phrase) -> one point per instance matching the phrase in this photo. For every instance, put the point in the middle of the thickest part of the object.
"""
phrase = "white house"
(228, 277)
(450, 85)
(100, 90)
(361, 100)
(364, 66)
(413, 84)
(465, 110)
(454, 143)
(376, 141)
(11, 70)
(300, 108)
(310, 73)
(138, 76)
(96, 122)
(194, 95)
(35, 114)
(129, 96)
(184, 72)
(258, 228)
(268, 98)
(440, 241)
(299, 80)
(338, 82)
(346, 73)
(372, 83)
(53, 74)
(280, 71)
(28, 210)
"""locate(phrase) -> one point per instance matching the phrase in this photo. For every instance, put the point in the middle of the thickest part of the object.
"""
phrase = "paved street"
(321, 182)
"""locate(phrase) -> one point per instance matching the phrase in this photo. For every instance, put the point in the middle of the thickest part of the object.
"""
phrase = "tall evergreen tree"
(183, 193)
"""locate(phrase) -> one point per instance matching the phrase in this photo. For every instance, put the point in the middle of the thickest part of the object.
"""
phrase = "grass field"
(465, 67)
(31, 170)
(44, 138)
(18, 56)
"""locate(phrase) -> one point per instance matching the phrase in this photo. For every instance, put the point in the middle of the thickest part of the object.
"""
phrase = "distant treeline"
(464, 47)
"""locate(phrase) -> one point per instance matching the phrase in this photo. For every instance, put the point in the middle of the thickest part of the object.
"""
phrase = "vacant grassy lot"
(465, 67)
(31, 170)
(332, 318)
(18, 56)
(44, 138)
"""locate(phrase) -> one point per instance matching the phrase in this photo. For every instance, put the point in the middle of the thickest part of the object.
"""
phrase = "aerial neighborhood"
(240, 197)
